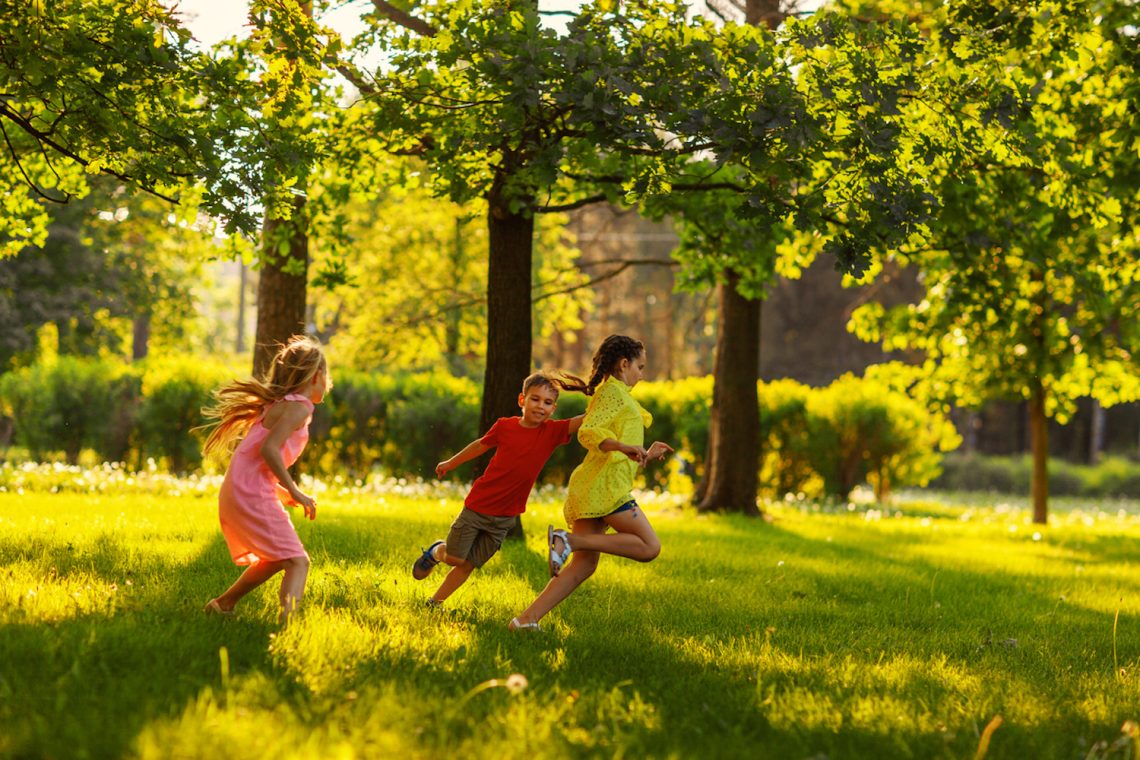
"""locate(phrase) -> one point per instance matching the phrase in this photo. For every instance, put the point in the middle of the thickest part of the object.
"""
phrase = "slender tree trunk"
(1039, 442)
(1096, 432)
(240, 344)
(140, 337)
(511, 241)
(281, 294)
(734, 435)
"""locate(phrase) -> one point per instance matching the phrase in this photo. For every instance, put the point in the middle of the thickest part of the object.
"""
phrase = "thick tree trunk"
(1039, 442)
(511, 241)
(281, 294)
(734, 430)
(730, 482)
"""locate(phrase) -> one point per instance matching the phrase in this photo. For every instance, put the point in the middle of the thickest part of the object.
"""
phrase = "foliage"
(1112, 477)
(1030, 268)
(116, 88)
(403, 424)
(859, 431)
(174, 392)
(110, 260)
(419, 270)
(784, 463)
(912, 630)
(68, 405)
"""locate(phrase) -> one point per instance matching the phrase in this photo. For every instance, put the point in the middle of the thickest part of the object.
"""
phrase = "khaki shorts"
(476, 537)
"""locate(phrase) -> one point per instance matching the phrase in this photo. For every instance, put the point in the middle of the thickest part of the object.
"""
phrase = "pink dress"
(254, 521)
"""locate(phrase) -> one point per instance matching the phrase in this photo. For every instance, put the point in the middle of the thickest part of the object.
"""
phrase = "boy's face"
(537, 404)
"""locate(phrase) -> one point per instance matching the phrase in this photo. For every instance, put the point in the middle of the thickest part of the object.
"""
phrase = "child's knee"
(652, 549)
(297, 563)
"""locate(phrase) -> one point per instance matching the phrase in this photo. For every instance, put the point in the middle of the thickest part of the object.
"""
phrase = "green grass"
(838, 635)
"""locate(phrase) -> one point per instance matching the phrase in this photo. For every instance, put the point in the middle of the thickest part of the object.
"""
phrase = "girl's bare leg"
(635, 537)
(292, 586)
(254, 575)
(582, 565)
(454, 579)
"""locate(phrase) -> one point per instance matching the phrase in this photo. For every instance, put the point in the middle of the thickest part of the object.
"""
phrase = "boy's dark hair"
(556, 381)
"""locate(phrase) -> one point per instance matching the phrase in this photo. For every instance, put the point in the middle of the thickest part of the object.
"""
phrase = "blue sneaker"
(423, 566)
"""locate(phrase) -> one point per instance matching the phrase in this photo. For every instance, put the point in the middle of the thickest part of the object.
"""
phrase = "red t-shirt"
(520, 453)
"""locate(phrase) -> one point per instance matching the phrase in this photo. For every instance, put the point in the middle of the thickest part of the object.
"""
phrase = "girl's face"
(320, 385)
(537, 404)
(629, 371)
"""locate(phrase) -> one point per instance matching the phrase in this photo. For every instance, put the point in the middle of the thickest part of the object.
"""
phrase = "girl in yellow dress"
(600, 495)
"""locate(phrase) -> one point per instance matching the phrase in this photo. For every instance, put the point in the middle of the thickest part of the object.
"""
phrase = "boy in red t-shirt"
(522, 446)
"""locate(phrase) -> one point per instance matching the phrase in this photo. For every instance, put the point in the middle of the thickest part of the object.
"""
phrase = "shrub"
(432, 416)
(785, 464)
(868, 429)
(67, 405)
(174, 390)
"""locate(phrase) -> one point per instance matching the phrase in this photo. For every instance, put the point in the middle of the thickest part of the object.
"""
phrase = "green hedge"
(815, 441)
(1112, 477)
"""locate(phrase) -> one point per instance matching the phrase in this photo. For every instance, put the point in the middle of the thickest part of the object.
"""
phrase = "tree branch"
(404, 19)
(571, 206)
(27, 179)
(44, 139)
(603, 277)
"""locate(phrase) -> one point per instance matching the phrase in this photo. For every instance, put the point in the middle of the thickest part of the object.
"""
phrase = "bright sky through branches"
(212, 21)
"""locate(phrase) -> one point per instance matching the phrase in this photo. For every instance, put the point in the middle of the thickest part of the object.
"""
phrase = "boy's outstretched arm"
(575, 423)
(469, 452)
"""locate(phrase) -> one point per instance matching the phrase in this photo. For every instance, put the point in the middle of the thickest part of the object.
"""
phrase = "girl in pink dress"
(271, 418)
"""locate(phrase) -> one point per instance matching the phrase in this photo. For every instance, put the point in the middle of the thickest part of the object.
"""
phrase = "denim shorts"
(631, 504)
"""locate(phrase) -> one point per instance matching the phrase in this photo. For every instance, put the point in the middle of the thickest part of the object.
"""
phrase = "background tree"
(115, 88)
(1031, 276)
(113, 264)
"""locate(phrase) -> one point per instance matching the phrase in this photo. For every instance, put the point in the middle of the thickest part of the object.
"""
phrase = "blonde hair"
(239, 404)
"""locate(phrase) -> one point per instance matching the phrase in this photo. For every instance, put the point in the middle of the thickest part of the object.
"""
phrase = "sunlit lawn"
(837, 635)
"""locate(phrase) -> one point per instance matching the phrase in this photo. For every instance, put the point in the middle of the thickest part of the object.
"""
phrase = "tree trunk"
(140, 337)
(1039, 442)
(734, 429)
(1096, 432)
(730, 481)
(281, 295)
(240, 344)
(511, 241)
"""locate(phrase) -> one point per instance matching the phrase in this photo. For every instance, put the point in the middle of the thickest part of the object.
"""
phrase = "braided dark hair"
(607, 357)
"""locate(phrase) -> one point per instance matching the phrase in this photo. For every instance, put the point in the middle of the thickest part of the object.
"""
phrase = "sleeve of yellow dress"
(597, 425)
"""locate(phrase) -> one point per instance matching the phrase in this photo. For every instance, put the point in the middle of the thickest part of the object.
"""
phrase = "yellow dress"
(604, 480)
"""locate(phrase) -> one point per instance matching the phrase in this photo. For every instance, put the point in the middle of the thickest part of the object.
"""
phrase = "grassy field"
(820, 634)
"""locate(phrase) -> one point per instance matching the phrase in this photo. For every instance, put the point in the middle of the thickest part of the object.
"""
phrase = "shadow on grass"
(87, 684)
(702, 653)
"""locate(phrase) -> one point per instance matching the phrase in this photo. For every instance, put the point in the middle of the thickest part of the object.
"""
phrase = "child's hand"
(658, 450)
(635, 453)
(309, 504)
(443, 468)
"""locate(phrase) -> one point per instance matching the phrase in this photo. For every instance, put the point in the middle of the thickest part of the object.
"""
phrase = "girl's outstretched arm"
(470, 451)
(293, 415)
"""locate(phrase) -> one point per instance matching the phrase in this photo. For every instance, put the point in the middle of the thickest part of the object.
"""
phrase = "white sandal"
(557, 558)
(518, 625)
